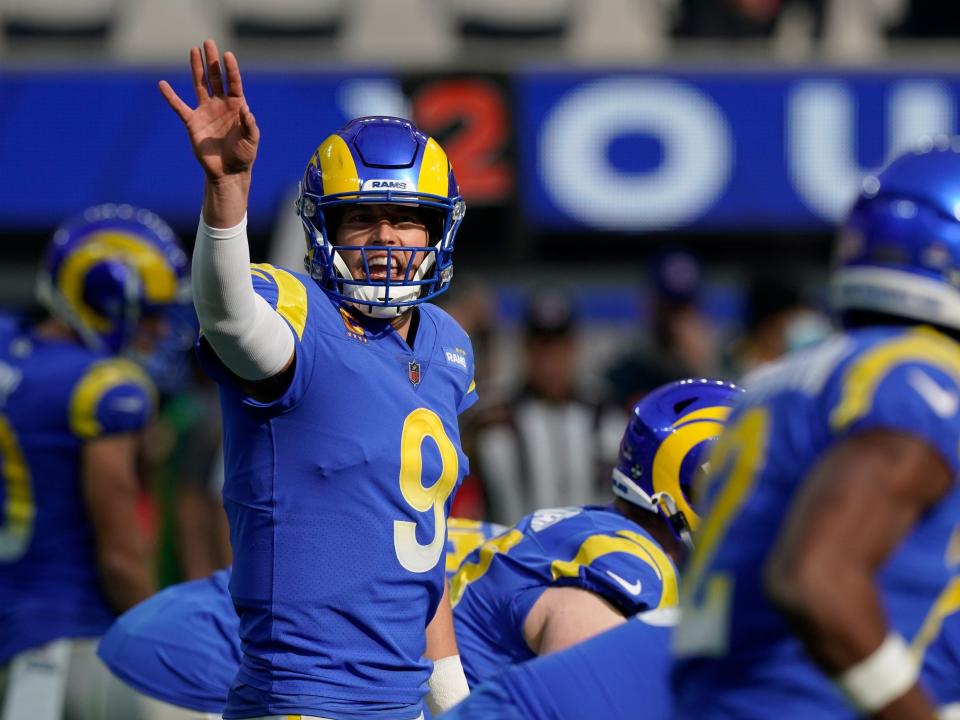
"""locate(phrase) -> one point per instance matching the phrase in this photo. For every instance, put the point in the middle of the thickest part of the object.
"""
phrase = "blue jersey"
(55, 396)
(463, 537)
(939, 643)
(593, 548)
(609, 676)
(736, 655)
(337, 495)
(182, 645)
(179, 646)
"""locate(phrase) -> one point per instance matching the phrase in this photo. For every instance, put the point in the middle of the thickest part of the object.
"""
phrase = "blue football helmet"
(110, 267)
(380, 160)
(899, 251)
(663, 448)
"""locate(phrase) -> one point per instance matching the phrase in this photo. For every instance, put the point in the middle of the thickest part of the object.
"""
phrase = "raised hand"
(222, 130)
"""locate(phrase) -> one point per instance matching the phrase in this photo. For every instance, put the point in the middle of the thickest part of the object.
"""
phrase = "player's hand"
(222, 130)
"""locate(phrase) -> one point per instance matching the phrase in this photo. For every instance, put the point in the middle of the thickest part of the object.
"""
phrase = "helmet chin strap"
(661, 503)
(677, 520)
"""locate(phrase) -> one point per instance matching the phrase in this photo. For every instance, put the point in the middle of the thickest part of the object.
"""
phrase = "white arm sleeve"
(248, 335)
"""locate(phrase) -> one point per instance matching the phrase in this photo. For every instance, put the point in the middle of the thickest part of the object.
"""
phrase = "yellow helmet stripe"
(337, 166)
(157, 275)
(434, 170)
(691, 430)
(715, 412)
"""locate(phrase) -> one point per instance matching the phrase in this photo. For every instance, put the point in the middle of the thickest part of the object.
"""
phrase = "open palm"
(222, 130)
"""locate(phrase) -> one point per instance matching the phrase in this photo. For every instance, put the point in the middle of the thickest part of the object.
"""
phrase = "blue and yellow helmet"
(663, 447)
(108, 268)
(380, 160)
(899, 251)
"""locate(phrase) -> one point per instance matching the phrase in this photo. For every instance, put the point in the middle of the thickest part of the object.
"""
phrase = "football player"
(72, 405)
(620, 674)
(563, 575)
(175, 655)
(832, 497)
(340, 393)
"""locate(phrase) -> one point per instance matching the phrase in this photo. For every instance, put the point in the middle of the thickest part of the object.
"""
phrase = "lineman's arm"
(252, 340)
(110, 493)
(447, 685)
(854, 509)
(565, 616)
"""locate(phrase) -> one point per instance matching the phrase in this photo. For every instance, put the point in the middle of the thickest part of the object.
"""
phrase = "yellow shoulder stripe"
(947, 604)
(628, 542)
(291, 295)
(17, 519)
(100, 378)
(470, 572)
(472, 387)
(864, 375)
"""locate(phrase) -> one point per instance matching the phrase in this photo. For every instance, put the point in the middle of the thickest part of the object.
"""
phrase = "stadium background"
(588, 137)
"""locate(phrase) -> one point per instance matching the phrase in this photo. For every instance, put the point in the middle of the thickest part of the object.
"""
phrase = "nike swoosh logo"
(943, 402)
(633, 588)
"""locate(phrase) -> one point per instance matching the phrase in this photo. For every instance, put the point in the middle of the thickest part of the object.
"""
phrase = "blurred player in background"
(340, 394)
(832, 500)
(72, 405)
(620, 674)
(175, 655)
(563, 575)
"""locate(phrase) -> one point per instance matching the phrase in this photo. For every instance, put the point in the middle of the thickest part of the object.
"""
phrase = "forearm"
(225, 200)
(447, 684)
(836, 611)
(441, 640)
(125, 575)
(838, 615)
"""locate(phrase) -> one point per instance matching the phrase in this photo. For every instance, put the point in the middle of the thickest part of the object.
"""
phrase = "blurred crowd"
(463, 30)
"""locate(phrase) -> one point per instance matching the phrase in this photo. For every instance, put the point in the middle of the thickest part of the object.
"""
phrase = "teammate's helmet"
(380, 160)
(108, 268)
(899, 251)
(663, 447)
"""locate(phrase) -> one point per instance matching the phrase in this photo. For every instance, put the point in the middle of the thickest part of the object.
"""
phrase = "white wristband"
(447, 683)
(881, 677)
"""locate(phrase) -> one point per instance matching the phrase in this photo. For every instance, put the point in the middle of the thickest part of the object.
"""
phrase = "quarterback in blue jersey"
(340, 393)
(72, 405)
(832, 498)
(563, 575)
(178, 652)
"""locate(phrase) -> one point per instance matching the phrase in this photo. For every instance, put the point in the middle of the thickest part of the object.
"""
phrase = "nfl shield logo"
(413, 372)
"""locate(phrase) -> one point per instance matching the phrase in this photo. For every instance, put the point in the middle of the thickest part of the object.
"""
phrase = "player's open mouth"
(378, 268)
